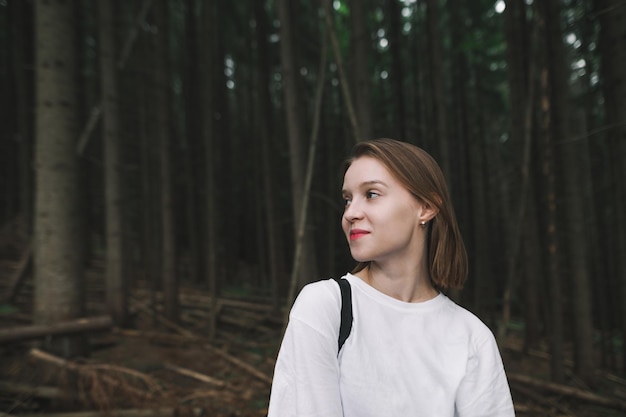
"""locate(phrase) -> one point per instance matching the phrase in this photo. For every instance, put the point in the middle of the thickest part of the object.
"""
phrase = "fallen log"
(21, 317)
(568, 391)
(49, 393)
(134, 412)
(35, 331)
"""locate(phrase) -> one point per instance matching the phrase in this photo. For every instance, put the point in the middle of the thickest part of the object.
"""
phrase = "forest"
(170, 176)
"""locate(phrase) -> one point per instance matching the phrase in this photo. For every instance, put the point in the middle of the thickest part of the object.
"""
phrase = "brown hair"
(423, 178)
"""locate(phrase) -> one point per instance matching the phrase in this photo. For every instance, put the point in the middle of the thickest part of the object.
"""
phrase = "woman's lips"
(357, 234)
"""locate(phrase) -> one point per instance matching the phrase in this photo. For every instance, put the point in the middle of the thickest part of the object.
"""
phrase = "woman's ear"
(427, 213)
(429, 209)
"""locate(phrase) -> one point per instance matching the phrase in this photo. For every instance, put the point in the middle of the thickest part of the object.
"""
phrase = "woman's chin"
(360, 257)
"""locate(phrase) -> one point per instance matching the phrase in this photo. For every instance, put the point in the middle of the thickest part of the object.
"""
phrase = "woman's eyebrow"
(373, 182)
(366, 184)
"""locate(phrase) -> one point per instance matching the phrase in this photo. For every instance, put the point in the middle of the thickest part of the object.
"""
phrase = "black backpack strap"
(346, 311)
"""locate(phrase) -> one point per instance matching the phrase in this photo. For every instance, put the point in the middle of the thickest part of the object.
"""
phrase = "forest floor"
(156, 368)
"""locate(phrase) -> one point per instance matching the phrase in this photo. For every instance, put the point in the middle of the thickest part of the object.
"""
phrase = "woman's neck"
(411, 285)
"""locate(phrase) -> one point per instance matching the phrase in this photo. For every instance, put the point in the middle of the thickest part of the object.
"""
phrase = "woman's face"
(382, 219)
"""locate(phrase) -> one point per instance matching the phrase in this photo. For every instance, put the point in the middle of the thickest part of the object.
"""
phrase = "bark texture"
(58, 249)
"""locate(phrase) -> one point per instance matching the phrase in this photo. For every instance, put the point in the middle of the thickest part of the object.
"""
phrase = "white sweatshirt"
(431, 359)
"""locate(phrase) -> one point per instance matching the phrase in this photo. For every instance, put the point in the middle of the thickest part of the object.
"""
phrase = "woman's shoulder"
(472, 324)
(318, 303)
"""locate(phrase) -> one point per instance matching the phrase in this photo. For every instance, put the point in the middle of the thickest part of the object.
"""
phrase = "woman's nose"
(353, 211)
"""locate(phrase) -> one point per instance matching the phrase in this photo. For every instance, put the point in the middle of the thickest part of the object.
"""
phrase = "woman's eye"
(372, 194)
(346, 201)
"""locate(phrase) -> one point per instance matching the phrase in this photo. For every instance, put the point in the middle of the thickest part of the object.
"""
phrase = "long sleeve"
(306, 376)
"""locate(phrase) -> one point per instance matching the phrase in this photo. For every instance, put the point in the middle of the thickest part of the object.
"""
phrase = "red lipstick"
(357, 233)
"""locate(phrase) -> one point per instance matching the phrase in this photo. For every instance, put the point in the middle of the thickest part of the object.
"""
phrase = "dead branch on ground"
(195, 375)
(568, 391)
(173, 326)
(101, 384)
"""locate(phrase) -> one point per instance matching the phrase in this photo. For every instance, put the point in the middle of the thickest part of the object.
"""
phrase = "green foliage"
(243, 290)
(517, 325)
(8, 309)
(341, 8)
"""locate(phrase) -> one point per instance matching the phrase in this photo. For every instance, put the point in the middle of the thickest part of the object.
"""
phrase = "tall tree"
(573, 180)
(263, 118)
(296, 141)
(59, 287)
(521, 86)
(21, 24)
(361, 48)
(208, 71)
(189, 138)
(168, 252)
(397, 73)
(116, 290)
(551, 242)
(522, 50)
(612, 16)
(438, 95)
(341, 70)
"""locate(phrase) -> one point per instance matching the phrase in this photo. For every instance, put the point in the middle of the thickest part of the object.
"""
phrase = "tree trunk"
(225, 156)
(574, 182)
(208, 68)
(438, 87)
(59, 288)
(361, 45)
(21, 24)
(394, 37)
(8, 128)
(596, 197)
(309, 176)
(188, 140)
(552, 246)
(343, 78)
(168, 252)
(459, 122)
(531, 259)
(263, 104)
(612, 15)
(150, 219)
(520, 70)
(116, 290)
(294, 132)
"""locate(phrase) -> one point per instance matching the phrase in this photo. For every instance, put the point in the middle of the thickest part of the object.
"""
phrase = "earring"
(423, 223)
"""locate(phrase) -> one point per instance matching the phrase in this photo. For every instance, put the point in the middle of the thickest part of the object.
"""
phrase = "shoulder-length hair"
(423, 178)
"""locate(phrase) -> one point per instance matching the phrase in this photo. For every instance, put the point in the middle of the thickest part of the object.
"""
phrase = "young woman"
(411, 351)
